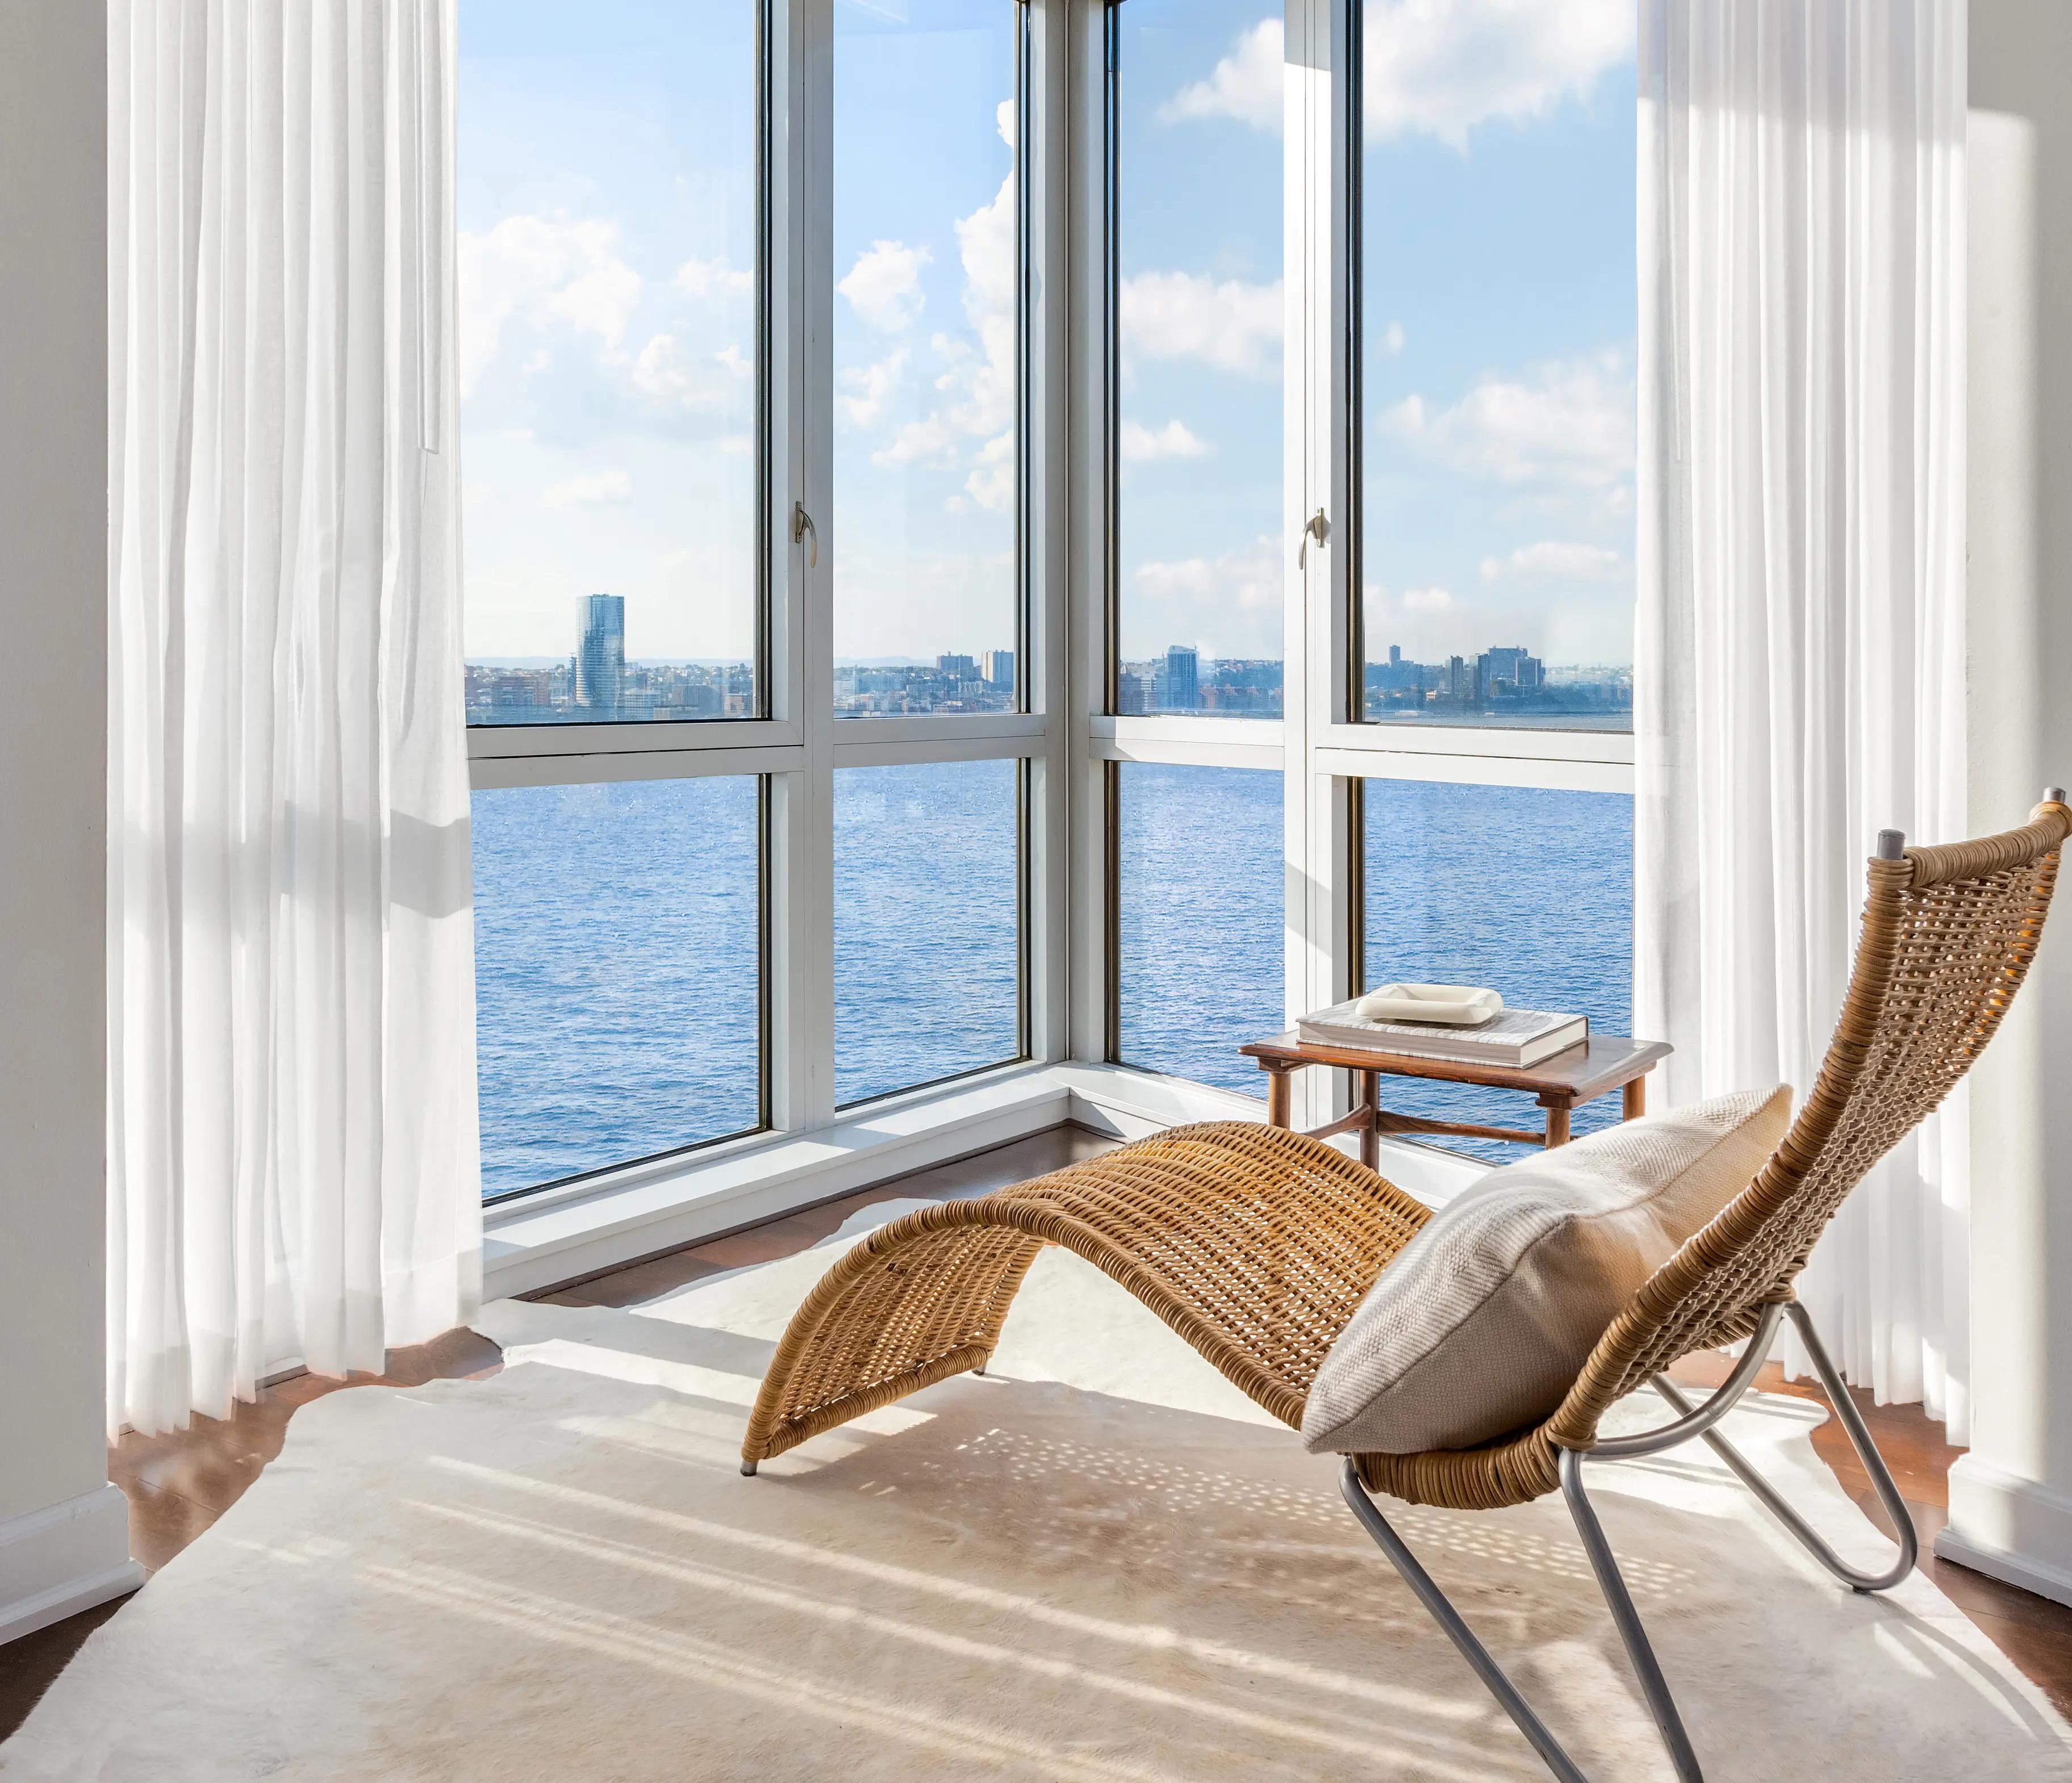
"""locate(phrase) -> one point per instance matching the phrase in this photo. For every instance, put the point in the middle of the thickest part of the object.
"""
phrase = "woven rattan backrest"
(1948, 934)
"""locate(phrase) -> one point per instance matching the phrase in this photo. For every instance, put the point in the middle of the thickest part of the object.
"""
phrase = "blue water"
(618, 952)
(1202, 906)
(927, 922)
(1528, 892)
(618, 958)
(617, 973)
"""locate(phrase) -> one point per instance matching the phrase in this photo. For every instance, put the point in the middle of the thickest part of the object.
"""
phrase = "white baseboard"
(2015, 1530)
(65, 1558)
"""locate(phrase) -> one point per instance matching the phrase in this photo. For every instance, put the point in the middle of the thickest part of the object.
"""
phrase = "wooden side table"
(1562, 1084)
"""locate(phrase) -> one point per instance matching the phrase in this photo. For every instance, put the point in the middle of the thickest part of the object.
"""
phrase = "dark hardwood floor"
(178, 1485)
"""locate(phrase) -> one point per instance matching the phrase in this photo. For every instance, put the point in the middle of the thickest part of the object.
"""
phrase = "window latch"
(802, 524)
(1317, 528)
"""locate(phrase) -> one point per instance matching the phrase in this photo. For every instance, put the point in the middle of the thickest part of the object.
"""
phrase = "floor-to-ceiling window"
(741, 354)
(1372, 445)
(1004, 531)
(1198, 589)
(1491, 237)
(614, 431)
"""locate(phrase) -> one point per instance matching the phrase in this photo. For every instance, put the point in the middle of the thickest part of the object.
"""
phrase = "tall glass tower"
(1183, 686)
(601, 655)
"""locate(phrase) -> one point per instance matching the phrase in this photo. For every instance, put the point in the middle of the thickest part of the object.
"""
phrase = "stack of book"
(1520, 1038)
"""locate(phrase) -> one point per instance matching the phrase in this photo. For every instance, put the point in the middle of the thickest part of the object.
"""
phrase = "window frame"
(676, 1154)
(797, 744)
(1323, 743)
(1067, 736)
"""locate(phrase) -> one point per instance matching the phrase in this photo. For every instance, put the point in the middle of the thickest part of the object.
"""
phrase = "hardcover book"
(1516, 1038)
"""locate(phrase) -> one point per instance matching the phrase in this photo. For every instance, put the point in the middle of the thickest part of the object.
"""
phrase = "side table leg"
(1370, 1133)
(1280, 1096)
(1557, 1127)
(1636, 1099)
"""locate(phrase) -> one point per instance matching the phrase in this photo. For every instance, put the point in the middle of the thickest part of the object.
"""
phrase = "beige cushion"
(1484, 1319)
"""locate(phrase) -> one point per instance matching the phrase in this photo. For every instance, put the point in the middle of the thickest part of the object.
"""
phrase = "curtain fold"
(1800, 675)
(292, 1153)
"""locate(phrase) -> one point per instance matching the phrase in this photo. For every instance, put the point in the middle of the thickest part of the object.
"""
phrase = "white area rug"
(1109, 1568)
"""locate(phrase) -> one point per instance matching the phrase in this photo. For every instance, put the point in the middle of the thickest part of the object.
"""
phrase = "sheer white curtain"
(1800, 678)
(292, 1160)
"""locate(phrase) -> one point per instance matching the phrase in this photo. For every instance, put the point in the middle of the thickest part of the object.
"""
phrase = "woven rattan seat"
(1256, 1244)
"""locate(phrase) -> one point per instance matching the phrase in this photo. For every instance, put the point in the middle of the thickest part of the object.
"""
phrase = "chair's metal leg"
(1661, 1704)
(1867, 1452)
(1457, 1631)
(1693, 1420)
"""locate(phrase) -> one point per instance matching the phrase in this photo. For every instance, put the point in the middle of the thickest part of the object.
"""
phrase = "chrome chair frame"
(1694, 1420)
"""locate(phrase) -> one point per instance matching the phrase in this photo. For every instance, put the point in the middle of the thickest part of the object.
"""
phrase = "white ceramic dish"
(1453, 1005)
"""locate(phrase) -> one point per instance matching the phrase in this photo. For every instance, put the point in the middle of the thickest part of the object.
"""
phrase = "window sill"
(606, 1223)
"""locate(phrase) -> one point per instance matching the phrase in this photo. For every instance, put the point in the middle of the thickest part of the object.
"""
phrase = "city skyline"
(598, 682)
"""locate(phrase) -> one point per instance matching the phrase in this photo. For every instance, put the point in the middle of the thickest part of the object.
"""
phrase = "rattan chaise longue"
(1256, 1245)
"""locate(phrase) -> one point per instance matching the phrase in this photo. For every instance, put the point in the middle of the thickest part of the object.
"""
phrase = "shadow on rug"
(1099, 1564)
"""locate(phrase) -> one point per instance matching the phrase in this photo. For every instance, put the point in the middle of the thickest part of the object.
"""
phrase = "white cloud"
(867, 389)
(1393, 339)
(1442, 67)
(669, 378)
(1434, 68)
(599, 300)
(604, 489)
(1232, 604)
(991, 484)
(714, 278)
(1227, 323)
(1142, 444)
(1571, 424)
(1246, 85)
(1555, 559)
(530, 266)
(976, 383)
(1428, 600)
(884, 285)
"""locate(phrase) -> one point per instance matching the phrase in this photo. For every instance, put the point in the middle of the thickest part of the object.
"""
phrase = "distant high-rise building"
(956, 668)
(996, 669)
(1132, 694)
(1183, 678)
(1517, 668)
(1395, 655)
(600, 658)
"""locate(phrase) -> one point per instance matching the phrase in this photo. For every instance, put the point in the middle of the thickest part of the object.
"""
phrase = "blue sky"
(606, 183)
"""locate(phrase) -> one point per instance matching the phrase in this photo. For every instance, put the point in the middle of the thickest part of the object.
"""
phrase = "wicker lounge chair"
(1256, 1245)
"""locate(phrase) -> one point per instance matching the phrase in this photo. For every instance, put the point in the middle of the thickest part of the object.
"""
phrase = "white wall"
(64, 1530)
(2011, 1497)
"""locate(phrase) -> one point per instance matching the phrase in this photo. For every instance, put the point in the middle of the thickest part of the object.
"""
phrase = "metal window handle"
(802, 524)
(1317, 527)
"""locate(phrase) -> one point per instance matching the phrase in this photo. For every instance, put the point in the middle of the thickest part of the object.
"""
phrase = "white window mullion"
(1046, 581)
(1332, 878)
(1316, 807)
(801, 829)
(1089, 367)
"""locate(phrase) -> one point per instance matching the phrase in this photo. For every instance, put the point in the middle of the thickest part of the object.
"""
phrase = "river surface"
(619, 952)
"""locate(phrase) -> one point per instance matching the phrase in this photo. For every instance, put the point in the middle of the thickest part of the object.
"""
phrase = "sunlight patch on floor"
(720, 1582)
(1132, 1634)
